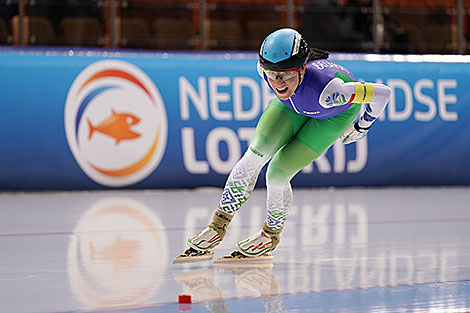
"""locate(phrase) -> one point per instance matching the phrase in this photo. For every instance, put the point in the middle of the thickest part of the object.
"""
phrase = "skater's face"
(285, 83)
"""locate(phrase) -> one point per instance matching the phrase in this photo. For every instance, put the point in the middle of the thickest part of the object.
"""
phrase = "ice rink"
(342, 250)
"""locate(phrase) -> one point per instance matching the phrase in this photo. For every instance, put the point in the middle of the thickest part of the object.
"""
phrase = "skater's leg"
(315, 137)
(276, 127)
(238, 188)
(279, 197)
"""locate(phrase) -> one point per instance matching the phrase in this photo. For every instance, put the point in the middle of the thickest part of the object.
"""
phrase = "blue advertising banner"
(98, 120)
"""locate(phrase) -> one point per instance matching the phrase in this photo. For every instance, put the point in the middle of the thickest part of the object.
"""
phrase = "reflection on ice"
(118, 254)
(257, 279)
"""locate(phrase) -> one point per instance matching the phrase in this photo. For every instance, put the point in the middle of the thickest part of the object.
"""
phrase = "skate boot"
(254, 249)
(201, 244)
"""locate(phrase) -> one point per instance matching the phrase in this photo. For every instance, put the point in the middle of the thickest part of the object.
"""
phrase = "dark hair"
(316, 54)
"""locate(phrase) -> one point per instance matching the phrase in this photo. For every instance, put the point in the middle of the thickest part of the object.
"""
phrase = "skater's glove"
(354, 133)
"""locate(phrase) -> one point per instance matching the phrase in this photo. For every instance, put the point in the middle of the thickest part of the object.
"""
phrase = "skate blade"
(248, 261)
(191, 259)
(260, 265)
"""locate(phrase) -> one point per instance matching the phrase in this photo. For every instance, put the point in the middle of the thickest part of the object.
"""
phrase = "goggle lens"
(285, 75)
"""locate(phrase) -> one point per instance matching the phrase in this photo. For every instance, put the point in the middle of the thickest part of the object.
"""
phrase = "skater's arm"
(375, 96)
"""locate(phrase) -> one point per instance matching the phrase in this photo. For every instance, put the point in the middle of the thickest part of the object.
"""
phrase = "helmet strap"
(300, 81)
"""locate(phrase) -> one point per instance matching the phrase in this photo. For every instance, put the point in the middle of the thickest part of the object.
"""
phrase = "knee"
(276, 177)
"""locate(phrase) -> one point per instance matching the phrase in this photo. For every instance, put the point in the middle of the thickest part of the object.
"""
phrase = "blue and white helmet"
(283, 50)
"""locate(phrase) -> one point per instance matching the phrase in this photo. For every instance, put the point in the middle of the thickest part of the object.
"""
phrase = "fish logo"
(118, 126)
(115, 123)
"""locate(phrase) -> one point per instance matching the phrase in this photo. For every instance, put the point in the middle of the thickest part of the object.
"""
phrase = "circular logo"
(115, 123)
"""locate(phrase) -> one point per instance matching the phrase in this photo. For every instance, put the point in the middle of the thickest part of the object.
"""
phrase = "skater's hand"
(353, 133)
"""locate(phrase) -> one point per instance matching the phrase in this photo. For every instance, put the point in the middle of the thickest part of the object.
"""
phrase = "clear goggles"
(284, 75)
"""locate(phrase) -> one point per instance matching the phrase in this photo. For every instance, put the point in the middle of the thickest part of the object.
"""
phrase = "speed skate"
(199, 247)
(251, 250)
